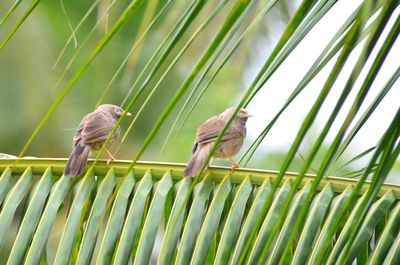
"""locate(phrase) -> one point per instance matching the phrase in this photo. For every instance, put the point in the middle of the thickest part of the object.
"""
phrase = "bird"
(208, 132)
(91, 135)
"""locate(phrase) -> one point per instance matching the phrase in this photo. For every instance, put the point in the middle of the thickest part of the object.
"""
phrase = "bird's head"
(114, 110)
(242, 115)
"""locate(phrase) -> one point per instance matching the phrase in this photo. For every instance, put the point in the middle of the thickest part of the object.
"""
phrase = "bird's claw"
(235, 166)
(110, 157)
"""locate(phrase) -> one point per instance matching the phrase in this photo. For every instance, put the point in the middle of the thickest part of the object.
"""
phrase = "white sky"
(279, 87)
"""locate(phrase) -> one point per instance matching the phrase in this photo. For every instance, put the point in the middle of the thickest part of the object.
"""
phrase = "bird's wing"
(210, 130)
(95, 127)
(78, 134)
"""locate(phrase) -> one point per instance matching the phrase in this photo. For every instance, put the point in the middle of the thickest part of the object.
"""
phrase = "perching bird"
(208, 132)
(91, 134)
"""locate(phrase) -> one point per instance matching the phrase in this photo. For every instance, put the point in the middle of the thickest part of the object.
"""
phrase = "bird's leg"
(234, 164)
(110, 156)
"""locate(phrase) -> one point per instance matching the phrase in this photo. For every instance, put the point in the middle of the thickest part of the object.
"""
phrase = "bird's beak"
(249, 115)
(128, 114)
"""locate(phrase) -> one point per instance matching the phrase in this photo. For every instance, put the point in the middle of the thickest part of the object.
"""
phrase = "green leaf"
(269, 221)
(387, 238)
(131, 226)
(31, 218)
(315, 217)
(193, 222)
(282, 239)
(211, 223)
(365, 232)
(5, 183)
(167, 248)
(95, 219)
(153, 219)
(19, 22)
(69, 234)
(117, 217)
(344, 234)
(232, 224)
(323, 237)
(252, 216)
(10, 12)
(12, 201)
(47, 220)
(394, 253)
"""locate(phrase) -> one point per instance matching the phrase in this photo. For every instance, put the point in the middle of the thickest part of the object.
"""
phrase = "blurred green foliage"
(29, 84)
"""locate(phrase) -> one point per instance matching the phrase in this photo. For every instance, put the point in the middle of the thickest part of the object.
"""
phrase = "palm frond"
(113, 220)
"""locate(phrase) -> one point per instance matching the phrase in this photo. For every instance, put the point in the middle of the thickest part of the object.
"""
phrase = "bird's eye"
(118, 112)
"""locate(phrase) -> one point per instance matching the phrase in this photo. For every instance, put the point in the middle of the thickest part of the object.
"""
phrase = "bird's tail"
(77, 161)
(197, 161)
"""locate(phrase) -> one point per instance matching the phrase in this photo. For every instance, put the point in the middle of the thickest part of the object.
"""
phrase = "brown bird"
(91, 134)
(208, 132)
